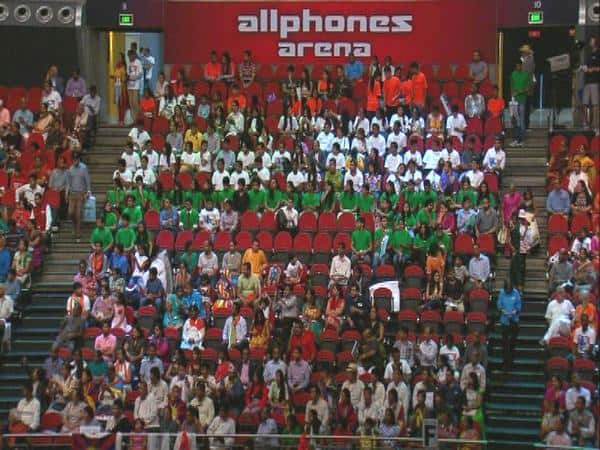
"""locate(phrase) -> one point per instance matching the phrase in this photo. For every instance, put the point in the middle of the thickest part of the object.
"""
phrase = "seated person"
(193, 331)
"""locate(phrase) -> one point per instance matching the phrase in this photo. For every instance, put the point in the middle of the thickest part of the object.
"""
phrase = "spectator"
(559, 313)
(474, 103)
(456, 124)
(521, 83)
(478, 69)
(509, 305)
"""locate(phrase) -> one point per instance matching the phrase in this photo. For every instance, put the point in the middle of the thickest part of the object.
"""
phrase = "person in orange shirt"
(496, 104)
(406, 89)
(314, 103)
(256, 257)
(391, 93)
(419, 85)
(236, 96)
(588, 308)
(212, 69)
(373, 93)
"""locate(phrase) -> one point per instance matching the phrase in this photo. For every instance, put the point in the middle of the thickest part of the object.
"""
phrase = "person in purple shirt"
(76, 86)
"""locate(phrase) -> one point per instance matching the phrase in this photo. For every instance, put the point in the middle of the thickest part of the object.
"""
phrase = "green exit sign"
(535, 17)
(125, 20)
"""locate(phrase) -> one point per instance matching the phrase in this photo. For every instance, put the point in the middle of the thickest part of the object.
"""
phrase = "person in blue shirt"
(354, 69)
(5, 260)
(192, 297)
(509, 305)
(118, 260)
(169, 218)
(558, 200)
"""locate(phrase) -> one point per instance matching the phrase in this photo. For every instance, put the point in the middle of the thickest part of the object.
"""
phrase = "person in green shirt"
(102, 234)
(347, 198)
(196, 197)
(125, 235)
(409, 218)
(225, 194)
(310, 198)
(133, 212)
(293, 195)
(411, 196)
(401, 243)
(188, 217)
(333, 176)
(110, 217)
(421, 243)
(328, 198)
(116, 195)
(256, 196)
(365, 202)
(427, 194)
(426, 216)
(273, 196)
(442, 239)
(484, 192)
(390, 195)
(361, 241)
(466, 191)
(189, 258)
(382, 243)
(521, 84)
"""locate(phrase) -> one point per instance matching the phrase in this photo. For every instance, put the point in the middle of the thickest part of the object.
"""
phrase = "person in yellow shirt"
(194, 136)
(256, 257)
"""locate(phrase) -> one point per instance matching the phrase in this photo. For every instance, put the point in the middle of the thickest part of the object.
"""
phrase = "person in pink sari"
(510, 203)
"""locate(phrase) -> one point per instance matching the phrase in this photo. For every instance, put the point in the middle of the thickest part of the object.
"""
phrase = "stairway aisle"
(34, 335)
(515, 397)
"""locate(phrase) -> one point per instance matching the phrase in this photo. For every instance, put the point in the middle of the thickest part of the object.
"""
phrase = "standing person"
(521, 84)
(135, 72)
(591, 87)
(119, 77)
(148, 64)
(528, 62)
(509, 305)
(78, 189)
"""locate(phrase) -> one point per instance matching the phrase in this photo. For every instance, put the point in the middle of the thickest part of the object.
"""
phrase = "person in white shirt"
(341, 140)
(187, 101)
(449, 153)
(577, 390)
(399, 385)
(368, 408)
(204, 159)
(123, 174)
(27, 411)
(400, 117)
(193, 331)
(218, 176)
(325, 138)
(413, 175)
(205, 406)
(158, 388)
(427, 350)
(337, 156)
(296, 177)
(135, 73)
(209, 217)
(340, 269)
(263, 174)
(353, 384)
(396, 364)
(361, 122)
(413, 154)
(584, 337)
(559, 313)
(495, 158)
(473, 366)
(290, 216)
(78, 297)
(432, 156)
(376, 140)
(380, 120)
(451, 352)
(237, 174)
(475, 175)
(152, 155)
(148, 62)
(576, 176)
(288, 124)
(246, 157)
(221, 425)
(235, 120)
(147, 175)
(354, 175)
(138, 135)
(132, 159)
(456, 124)
(145, 408)
(51, 98)
(397, 136)
(29, 190)
(393, 159)
(91, 101)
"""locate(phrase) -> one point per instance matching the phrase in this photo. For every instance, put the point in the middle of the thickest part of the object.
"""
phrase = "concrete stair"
(514, 398)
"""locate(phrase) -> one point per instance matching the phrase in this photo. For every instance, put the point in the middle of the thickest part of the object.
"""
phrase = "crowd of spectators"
(571, 409)
(229, 284)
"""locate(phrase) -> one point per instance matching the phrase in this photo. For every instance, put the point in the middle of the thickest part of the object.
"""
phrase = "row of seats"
(12, 97)
(575, 142)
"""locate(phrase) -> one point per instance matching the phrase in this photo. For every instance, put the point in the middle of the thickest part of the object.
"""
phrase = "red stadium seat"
(342, 238)
(249, 222)
(165, 240)
(444, 73)
(559, 346)
(183, 237)
(267, 222)
(202, 123)
(51, 197)
(556, 243)
(585, 368)
(243, 240)
(478, 300)
(307, 222)
(578, 141)
(303, 247)
(160, 125)
(558, 224)
(451, 89)
(51, 421)
(411, 298)
(346, 222)
(413, 276)
(184, 181)
(461, 72)
(487, 244)
(282, 242)
(407, 318)
(166, 180)
(385, 272)
(152, 220)
(475, 126)
(431, 319)
(454, 322)
(580, 222)
(493, 126)
(556, 142)
(557, 366)
(265, 240)
(327, 222)
(595, 145)
(492, 181)
(463, 244)
(476, 321)
(200, 238)
(322, 248)
(382, 299)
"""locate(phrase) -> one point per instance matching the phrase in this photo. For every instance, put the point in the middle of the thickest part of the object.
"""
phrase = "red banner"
(430, 31)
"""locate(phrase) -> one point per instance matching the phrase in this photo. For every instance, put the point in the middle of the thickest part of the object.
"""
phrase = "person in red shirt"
(236, 96)
(391, 93)
(373, 93)
(419, 85)
(305, 339)
(212, 69)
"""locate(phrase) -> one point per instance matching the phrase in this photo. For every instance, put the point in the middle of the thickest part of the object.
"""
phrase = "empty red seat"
(267, 221)
(453, 322)
(385, 272)
(342, 238)
(303, 246)
(346, 222)
(580, 222)
(556, 243)
(222, 241)
(558, 366)
(493, 126)
(265, 240)
(408, 319)
(487, 243)
(327, 222)
(307, 222)
(463, 244)
(250, 222)
(184, 181)
(476, 322)
(556, 143)
(558, 224)
(559, 346)
(578, 141)
(165, 240)
(183, 237)
(479, 299)
(492, 181)
(411, 298)
(475, 126)
(243, 240)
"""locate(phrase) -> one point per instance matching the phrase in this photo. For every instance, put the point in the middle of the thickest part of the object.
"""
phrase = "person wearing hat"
(353, 384)
(528, 66)
(521, 83)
